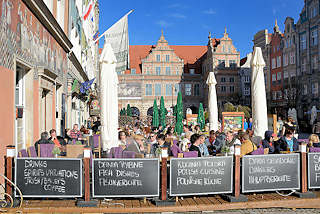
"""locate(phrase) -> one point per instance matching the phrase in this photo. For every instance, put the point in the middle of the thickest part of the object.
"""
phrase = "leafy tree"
(129, 111)
(162, 113)
(200, 119)
(179, 115)
(155, 115)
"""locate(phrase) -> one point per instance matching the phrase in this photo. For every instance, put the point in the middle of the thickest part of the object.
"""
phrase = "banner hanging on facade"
(117, 36)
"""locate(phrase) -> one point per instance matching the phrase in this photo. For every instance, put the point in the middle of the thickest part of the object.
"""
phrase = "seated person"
(161, 143)
(314, 141)
(246, 145)
(231, 140)
(267, 142)
(210, 141)
(57, 140)
(122, 137)
(75, 134)
(203, 147)
(43, 140)
(195, 143)
(137, 145)
(287, 142)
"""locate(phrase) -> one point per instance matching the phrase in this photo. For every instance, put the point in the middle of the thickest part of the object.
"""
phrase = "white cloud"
(163, 23)
(178, 15)
(210, 11)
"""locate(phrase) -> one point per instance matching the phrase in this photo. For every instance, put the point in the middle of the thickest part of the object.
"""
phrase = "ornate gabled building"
(164, 70)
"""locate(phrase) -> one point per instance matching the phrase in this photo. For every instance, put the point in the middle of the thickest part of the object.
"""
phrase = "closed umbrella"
(109, 98)
(212, 102)
(258, 91)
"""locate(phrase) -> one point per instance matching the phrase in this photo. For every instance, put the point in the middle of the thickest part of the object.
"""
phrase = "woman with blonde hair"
(314, 141)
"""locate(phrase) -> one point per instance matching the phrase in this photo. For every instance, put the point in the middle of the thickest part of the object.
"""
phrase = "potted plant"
(225, 150)
(158, 152)
(78, 142)
(56, 151)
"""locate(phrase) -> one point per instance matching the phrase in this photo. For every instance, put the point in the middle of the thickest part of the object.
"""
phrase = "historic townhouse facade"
(37, 69)
(164, 70)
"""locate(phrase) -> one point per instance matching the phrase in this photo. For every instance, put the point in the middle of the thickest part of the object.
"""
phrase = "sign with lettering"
(270, 172)
(201, 176)
(313, 170)
(49, 177)
(138, 177)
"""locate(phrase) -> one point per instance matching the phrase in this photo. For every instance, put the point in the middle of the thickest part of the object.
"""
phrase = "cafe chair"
(96, 145)
(115, 152)
(23, 153)
(32, 152)
(175, 150)
(191, 154)
(45, 150)
(128, 154)
(314, 149)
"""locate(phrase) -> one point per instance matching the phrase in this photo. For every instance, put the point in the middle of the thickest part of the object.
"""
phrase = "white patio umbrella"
(109, 98)
(258, 94)
(313, 115)
(212, 102)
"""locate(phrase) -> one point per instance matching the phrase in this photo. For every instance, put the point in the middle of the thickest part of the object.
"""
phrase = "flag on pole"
(95, 37)
(88, 11)
(87, 16)
(117, 36)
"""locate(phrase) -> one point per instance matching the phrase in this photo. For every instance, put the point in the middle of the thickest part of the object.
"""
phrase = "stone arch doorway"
(135, 111)
(194, 109)
(150, 111)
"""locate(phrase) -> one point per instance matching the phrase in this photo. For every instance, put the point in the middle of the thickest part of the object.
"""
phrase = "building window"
(273, 63)
(231, 79)
(223, 79)
(314, 37)
(292, 74)
(279, 95)
(158, 70)
(188, 89)
(176, 89)
(303, 41)
(279, 76)
(246, 91)
(278, 61)
(304, 65)
(133, 71)
(305, 89)
(247, 79)
(168, 90)
(314, 62)
(223, 88)
(157, 89)
(314, 88)
(285, 74)
(148, 89)
(158, 58)
(168, 71)
(167, 58)
(274, 77)
(196, 89)
(191, 71)
(232, 63)
(292, 58)
(221, 63)
(285, 59)
(231, 89)
(229, 48)
(313, 11)
(274, 95)
(285, 94)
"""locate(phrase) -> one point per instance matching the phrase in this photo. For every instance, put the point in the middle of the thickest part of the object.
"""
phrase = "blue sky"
(187, 22)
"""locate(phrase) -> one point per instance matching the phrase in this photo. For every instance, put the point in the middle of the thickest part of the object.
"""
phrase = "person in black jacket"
(43, 140)
(195, 142)
(287, 143)
(267, 142)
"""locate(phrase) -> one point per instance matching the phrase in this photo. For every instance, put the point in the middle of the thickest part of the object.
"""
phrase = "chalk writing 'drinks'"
(35, 164)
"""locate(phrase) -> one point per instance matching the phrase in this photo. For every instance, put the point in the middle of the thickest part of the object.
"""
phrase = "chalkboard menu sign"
(270, 172)
(138, 177)
(313, 170)
(49, 177)
(201, 176)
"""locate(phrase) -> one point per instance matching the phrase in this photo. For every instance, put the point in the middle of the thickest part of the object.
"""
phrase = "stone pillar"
(69, 103)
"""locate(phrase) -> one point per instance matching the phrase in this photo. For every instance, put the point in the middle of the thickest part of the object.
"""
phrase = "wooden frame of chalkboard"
(209, 192)
(243, 190)
(126, 159)
(310, 186)
(51, 196)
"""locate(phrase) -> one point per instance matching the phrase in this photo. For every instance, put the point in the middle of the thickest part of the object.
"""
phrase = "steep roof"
(189, 54)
